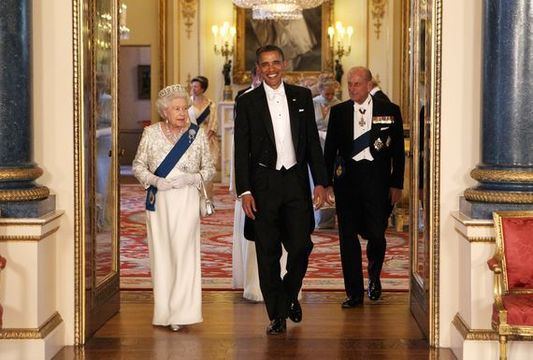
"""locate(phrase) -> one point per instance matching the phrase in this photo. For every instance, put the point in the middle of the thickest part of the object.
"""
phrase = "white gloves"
(186, 180)
(163, 184)
(160, 183)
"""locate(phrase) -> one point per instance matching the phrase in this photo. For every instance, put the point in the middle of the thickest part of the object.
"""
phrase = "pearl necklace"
(172, 136)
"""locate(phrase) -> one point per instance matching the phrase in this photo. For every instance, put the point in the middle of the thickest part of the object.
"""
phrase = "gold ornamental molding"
(36, 193)
(507, 197)
(6, 238)
(40, 333)
(481, 239)
(512, 176)
(473, 334)
(378, 12)
(10, 174)
(188, 11)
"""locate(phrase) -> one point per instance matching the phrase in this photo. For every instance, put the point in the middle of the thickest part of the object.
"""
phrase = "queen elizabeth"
(172, 159)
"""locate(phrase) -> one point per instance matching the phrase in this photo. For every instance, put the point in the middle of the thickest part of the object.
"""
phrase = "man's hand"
(248, 205)
(395, 195)
(210, 134)
(330, 196)
(319, 196)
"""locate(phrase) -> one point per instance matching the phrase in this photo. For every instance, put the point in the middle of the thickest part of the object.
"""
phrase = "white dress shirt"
(279, 112)
(362, 111)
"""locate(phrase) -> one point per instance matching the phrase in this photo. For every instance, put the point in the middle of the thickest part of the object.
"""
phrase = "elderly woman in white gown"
(325, 217)
(172, 159)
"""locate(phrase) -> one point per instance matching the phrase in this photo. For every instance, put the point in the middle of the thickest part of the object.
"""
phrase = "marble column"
(505, 174)
(19, 195)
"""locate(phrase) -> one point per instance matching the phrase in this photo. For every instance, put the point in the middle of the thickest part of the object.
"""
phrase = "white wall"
(53, 119)
(132, 109)
(143, 20)
(212, 12)
(460, 137)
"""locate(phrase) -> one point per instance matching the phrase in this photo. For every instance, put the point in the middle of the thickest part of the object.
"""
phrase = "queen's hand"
(183, 180)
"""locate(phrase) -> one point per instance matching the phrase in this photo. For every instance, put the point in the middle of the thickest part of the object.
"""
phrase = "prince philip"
(364, 153)
(276, 139)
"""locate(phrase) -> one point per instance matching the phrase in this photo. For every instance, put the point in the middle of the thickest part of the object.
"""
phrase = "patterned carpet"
(324, 272)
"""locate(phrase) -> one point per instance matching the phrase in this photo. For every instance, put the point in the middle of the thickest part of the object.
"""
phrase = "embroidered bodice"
(155, 146)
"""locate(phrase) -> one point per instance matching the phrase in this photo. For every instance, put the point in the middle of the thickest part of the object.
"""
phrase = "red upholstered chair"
(512, 264)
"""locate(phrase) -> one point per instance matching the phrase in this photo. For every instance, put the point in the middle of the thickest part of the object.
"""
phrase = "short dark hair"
(204, 83)
(268, 48)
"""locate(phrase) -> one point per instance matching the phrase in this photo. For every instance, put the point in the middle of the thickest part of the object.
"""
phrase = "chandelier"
(277, 9)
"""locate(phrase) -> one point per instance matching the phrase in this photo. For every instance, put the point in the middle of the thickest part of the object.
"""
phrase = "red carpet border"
(324, 271)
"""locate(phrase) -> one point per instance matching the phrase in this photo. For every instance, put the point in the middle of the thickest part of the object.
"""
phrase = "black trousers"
(363, 207)
(283, 216)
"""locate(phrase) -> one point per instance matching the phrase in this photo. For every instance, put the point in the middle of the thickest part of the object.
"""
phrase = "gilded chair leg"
(503, 347)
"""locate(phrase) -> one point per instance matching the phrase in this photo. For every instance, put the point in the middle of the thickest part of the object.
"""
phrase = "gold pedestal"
(401, 219)
(228, 93)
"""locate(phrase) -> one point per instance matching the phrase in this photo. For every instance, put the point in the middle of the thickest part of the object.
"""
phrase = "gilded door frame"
(106, 290)
(78, 91)
(434, 93)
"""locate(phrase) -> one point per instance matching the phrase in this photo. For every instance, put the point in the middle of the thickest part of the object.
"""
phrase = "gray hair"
(327, 83)
(365, 71)
(169, 93)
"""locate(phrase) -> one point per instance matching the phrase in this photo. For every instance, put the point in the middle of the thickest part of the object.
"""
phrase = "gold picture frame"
(306, 68)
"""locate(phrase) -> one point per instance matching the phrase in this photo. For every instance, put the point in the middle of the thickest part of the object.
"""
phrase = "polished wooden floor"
(235, 329)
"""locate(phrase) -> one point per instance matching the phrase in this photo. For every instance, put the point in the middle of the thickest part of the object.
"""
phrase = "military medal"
(389, 140)
(338, 171)
(362, 122)
(378, 144)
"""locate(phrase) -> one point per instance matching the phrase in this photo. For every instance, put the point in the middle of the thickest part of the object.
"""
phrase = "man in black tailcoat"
(364, 153)
(276, 139)
(377, 93)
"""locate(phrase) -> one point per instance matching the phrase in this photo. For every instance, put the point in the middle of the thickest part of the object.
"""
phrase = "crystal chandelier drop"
(277, 9)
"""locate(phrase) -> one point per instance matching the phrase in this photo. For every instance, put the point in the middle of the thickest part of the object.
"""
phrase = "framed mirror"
(424, 48)
(96, 54)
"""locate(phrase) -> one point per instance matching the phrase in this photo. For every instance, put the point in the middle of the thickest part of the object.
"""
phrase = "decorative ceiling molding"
(378, 12)
(188, 11)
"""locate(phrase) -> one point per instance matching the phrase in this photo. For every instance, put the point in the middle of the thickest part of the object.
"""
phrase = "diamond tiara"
(172, 89)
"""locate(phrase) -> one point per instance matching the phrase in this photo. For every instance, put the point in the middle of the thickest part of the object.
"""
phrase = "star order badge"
(339, 170)
(192, 135)
(340, 167)
(378, 144)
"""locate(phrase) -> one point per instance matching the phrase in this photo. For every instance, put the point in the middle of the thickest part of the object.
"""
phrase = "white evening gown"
(174, 246)
(173, 229)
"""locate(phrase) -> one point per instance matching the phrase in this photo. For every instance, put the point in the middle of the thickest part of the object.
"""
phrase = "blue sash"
(200, 119)
(360, 143)
(170, 161)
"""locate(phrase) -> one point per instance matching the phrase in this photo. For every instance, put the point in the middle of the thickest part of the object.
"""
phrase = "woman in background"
(327, 86)
(172, 159)
(203, 112)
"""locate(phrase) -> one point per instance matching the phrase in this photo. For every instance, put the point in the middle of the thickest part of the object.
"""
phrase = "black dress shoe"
(276, 326)
(374, 290)
(352, 302)
(295, 311)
